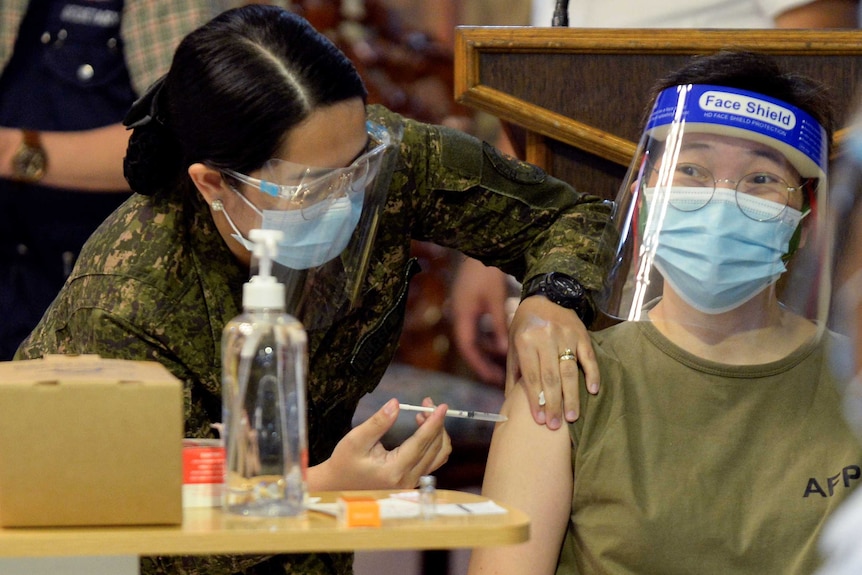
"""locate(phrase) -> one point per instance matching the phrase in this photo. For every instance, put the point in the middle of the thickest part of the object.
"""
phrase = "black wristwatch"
(564, 291)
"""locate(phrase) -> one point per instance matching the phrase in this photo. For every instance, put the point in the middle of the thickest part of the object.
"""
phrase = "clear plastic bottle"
(264, 358)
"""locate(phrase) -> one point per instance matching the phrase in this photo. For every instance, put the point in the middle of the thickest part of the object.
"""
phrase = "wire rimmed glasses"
(761, 196)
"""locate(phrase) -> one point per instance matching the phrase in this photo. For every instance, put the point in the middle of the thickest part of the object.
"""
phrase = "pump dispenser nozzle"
(262, 291)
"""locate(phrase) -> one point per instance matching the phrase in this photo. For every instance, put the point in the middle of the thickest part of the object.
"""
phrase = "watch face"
(563, 290)
(565, 286)
(29, 164)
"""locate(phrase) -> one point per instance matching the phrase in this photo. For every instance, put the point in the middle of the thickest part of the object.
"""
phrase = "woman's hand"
(360, 461)
(540, 337)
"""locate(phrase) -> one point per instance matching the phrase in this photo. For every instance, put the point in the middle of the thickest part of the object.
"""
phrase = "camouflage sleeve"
(468, 195)
(88, 330)
(304, 564)
(204, 565)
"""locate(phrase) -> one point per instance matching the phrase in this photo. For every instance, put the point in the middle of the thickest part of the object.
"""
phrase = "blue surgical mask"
(311, 240)
(312, 236)
(715, 257)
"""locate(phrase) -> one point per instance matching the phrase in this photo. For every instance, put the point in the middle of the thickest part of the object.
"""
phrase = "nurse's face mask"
(316, 209)
(329, 219)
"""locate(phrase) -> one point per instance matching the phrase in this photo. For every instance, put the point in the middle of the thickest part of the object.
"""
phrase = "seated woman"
(716, 443)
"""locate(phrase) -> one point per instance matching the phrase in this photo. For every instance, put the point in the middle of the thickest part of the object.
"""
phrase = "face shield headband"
(696, 108)
(742, 214)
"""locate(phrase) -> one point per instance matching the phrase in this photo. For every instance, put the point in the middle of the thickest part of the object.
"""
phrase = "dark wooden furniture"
(576, 96)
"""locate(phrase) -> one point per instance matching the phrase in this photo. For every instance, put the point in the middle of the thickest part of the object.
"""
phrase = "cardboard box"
(203, 472)
(89, 441)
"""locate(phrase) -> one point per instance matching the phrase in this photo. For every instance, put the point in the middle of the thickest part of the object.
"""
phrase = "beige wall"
(439, 17)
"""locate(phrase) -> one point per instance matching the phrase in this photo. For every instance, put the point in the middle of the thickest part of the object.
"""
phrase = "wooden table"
(207, 531)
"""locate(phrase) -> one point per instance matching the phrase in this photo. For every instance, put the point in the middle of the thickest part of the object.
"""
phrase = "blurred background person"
(841, 544)
(70, 71)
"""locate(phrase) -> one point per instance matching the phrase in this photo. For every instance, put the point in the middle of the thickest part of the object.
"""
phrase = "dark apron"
(67, 73)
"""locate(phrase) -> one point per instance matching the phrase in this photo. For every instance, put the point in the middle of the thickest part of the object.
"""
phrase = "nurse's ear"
(208, 181)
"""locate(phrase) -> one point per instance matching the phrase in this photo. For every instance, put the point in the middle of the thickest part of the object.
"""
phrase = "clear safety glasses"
(311, 189)
(761, 196)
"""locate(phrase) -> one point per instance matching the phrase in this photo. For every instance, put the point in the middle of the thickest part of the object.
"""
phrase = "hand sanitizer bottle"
(264, 359)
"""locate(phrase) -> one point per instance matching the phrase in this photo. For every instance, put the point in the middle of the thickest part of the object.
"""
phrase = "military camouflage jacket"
(156, 281)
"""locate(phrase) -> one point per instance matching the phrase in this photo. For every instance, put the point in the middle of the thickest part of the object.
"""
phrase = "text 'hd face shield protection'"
(329, 218)
(724, 187)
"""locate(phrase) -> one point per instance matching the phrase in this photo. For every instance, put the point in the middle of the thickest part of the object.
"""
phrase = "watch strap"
(31, 138)
(579, 302)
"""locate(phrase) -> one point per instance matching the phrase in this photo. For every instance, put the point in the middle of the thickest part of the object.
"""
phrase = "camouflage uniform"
(156, 281)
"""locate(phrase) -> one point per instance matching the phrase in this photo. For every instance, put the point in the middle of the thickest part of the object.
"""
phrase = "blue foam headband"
(750, 111)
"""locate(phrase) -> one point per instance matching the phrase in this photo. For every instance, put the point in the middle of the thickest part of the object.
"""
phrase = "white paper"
(405, 505)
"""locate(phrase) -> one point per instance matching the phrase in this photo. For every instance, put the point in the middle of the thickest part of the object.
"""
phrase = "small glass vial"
(427, 496)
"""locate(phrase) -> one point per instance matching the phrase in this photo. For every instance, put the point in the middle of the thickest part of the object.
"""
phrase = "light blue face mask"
(716, 258)
(310, 237)
(308, 243)
(317, 227)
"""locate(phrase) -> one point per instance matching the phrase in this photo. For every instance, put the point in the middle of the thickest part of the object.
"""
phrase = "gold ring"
(568, 354)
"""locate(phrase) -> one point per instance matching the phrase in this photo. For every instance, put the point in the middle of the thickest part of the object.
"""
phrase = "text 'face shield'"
(724, 187)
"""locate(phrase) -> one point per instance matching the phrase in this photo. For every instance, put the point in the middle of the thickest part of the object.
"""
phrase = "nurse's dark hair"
(755, 72)
(236, 87)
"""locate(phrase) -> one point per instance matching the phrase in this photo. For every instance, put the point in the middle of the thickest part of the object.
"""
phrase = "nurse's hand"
(360, 461)
(547, 342)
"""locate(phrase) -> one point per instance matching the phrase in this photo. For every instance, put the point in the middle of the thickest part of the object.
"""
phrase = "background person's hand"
(479, 320)
(540, 334)
(360, 461)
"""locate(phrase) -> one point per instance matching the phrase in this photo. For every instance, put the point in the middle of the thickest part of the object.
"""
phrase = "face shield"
(847, 310)
(725, 187)
(329, 218)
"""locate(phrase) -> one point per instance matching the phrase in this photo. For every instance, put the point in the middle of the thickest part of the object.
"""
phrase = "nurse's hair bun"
(153, 156)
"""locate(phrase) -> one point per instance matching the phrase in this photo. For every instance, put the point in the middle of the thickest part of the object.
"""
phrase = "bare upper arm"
(529, 467)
